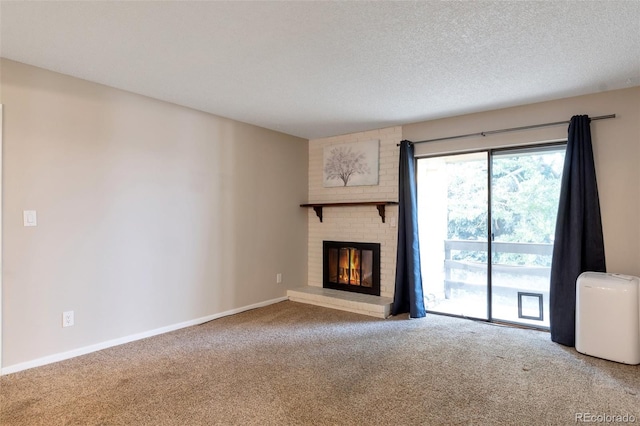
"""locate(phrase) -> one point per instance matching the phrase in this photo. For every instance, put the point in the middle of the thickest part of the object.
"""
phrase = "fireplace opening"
(351, 266)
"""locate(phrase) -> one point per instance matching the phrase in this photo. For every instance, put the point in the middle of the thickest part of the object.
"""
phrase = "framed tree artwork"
(351, 164)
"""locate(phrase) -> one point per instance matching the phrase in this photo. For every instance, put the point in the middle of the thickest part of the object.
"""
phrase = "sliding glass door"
(525, 186)
(486, 224)
(452, 220)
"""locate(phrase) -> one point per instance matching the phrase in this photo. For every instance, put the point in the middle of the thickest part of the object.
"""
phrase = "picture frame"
(351, 164)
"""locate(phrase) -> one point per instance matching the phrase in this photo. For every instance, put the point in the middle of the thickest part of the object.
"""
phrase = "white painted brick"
(361, 223)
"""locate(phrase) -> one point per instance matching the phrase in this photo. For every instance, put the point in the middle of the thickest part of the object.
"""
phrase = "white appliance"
(608, 316)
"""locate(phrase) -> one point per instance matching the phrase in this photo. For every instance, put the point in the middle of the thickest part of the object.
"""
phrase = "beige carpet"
(295, 364)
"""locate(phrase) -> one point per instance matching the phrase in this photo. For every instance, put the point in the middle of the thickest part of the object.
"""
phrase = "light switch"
(30, 218)
(392, 222)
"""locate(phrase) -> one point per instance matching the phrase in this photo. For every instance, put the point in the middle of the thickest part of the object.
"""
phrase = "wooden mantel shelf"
(379, 204)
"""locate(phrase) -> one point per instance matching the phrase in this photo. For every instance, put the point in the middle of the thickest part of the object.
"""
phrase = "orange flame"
(349, 270)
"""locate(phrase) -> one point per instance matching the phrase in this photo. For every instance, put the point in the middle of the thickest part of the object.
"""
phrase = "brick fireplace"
(357, 223)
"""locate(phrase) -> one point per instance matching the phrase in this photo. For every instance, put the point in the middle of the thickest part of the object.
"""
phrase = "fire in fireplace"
(352, 266)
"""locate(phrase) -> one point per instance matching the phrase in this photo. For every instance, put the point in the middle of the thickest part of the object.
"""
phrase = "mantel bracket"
(318, 210)
(381, 211)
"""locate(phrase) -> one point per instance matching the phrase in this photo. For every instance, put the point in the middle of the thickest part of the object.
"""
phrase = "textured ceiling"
(315, 69)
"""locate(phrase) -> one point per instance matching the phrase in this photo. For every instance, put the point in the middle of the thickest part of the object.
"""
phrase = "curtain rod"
(512, 129)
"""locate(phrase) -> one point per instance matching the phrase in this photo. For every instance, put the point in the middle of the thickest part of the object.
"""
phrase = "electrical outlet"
(279, 278)
(67, 319)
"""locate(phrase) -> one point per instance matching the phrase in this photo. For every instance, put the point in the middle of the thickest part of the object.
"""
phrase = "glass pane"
(333, 265)
(354, 275)
(343, 270)
(452, 220)
(367, 268)
(525, 187)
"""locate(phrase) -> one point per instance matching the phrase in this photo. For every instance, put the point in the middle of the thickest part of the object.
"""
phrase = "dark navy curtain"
(408, 291)
(578, 245)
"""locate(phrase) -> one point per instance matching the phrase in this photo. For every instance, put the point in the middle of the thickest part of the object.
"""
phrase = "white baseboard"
(126, 339)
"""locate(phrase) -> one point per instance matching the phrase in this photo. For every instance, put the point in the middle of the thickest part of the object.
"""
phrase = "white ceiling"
(315, 69)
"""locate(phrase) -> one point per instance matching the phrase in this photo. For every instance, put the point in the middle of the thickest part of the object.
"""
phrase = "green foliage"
(467, 196)
(525, 191)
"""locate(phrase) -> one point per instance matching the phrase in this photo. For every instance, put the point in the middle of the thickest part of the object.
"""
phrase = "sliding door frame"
(489, 152)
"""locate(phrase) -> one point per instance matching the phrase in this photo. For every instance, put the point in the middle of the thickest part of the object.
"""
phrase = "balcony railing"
(451, 266)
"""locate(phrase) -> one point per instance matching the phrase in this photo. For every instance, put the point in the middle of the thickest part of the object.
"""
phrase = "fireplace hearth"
(351, 266)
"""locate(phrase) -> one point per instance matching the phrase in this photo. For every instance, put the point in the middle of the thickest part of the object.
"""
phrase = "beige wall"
(356, 223)
(149, 214)
(616, 144)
